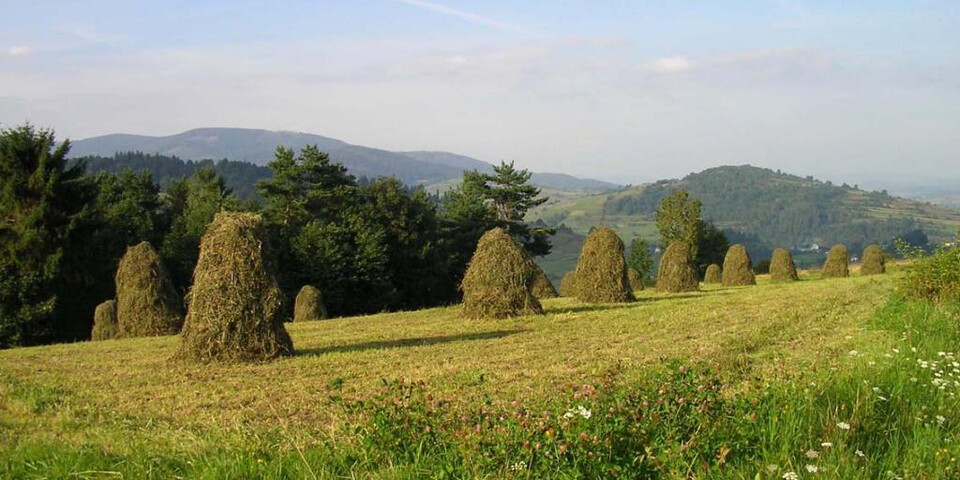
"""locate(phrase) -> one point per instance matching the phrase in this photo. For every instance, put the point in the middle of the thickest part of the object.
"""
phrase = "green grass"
(767, 374)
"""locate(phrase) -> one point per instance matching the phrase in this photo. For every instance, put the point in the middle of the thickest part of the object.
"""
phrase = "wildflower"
(860, 453)
(826, 444)
(812, 468)
(813, 454)
(853, 353)
(519, 466)
(584, 412)
(896, 350)
(790, 476)
(941, 419)
(843, 426)
(772, 468)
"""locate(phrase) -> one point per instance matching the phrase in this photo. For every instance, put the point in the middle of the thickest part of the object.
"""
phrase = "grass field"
(122, 408)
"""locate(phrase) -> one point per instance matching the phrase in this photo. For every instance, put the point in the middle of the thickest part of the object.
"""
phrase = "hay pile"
(234, 304)
(636, 283)
(873, 261)
(309, 305)
(737, 268)
(568, 286)
(714, 274)
(837, 264)
(147, 304)
(542, 287)
(676, 272)
(782, 268)
(105, 321)
(602, 269)
(498, 280)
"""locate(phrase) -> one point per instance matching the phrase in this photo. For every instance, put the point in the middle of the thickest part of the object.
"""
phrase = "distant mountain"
(258, 147)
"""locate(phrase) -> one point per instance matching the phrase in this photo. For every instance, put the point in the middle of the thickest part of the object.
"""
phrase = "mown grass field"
(121, 408)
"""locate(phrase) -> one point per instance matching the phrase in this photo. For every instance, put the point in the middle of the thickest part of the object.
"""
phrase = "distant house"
(813, 247)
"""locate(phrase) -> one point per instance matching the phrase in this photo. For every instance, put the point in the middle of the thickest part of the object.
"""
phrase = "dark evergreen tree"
(640, 259)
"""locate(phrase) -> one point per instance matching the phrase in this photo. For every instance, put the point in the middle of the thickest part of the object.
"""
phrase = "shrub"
(568, 286)
(714, 274)
(234, 304)
(147, 304)
(676, 272)
(542, 287)
(105, 321)
(837, 264)
(602, 269)
(737, 267)
(636, 281)
(309, 305)
(873, 262)
(498, 280)
(935, 277)
(782, 268)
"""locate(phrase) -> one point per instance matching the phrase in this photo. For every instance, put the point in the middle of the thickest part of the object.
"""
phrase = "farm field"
(776, 371)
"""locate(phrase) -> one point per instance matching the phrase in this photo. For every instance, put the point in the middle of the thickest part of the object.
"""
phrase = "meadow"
(835, 378)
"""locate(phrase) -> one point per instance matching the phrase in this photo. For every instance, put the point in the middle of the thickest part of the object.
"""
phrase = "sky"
(620, 90)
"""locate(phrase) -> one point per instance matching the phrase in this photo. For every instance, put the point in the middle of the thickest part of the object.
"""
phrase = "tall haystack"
(568, 286)
(782, 268)
(498, 280)
(105, 321)
(147, 304)
(714, 274)
(542, 287)
(737, 268)
(636, 282)
(234, 304)
(873, 261)
(837, 264)
(602, 269)
(676, 272)
(309, 305)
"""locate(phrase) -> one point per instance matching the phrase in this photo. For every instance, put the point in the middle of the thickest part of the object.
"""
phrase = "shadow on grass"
(409, 342)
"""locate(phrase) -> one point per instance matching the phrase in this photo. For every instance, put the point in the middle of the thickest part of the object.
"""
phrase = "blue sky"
(621, 90)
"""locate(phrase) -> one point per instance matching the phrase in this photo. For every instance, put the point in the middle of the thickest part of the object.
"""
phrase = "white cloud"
(468, 16)
(19, 51)
(673, 64)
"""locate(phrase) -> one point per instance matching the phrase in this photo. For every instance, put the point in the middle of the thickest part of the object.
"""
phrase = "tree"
(41, 200)
(711, 247)
(678, 220)
(639, 259)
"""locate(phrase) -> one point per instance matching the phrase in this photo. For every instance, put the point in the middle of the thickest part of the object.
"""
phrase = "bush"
(498, 280)
(602, 269)
(737, 268)
(676, 272)
(782, 268)
(568, 286)
(309, 305)
(105, 321)
(542, 287)
(714, 274)
(935, 277)
(873, 262)
(234, 304)
(147, 304)
(837, 264)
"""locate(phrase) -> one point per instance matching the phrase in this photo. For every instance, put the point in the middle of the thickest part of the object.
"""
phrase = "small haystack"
(602, 269)
(737, 268)
(234, 308)
(782, 268)
(498, 280)
(147, 303)
(714, 274)
(542, 287)
(568, 286)
(636, 282)
(676, 272)
(105, 321)
(837, 264)
(874, 262)
(309, 305)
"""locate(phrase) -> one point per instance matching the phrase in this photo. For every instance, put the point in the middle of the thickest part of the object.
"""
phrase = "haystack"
(568, 285)
(602, 269)
(309, 305)
(676, 272)
(782, 268)
(636, 282)
(147, 304)
(234, 307)
(542, 287)
(714, 274)
(105, 321)
(498, 280)
(873, 261)
(737, 268)
(837, 264)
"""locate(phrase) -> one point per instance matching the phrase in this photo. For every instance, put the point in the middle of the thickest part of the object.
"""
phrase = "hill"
(258, 147)
(338, 409)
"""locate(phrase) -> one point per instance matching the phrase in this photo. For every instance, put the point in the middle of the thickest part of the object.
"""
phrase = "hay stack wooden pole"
(147, 303)
(602, 269)
(737, 268)
(234, 304)
(676, 272)
(499, 279)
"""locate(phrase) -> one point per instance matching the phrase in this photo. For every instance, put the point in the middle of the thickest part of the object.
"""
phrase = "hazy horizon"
(619, 92)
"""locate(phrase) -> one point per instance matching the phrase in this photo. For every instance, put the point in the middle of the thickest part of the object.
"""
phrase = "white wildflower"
(941, 419)
(772, 468)
(826, 444)
(860, 453)
(519, 466)
(843, 426)
(813, 454)
(790, 476)
(812, 468)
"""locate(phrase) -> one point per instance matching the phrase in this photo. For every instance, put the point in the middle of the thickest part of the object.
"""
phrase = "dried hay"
(147, 304)
(105, 321)
(714, 274)
(602, 269)
(309, 305)
(837, 264)
(874, 262)
(737, 268)
(676, 272)
(568, 286)
(636, 282)
(498, 280)
(782, 268)
(542, 287)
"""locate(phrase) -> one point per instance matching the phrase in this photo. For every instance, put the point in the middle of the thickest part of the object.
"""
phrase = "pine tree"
(640, 260)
